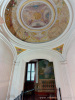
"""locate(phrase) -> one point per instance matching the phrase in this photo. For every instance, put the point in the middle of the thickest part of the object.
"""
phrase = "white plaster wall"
(18, 79)
(64, 81)
(6, 60)
(71, 67)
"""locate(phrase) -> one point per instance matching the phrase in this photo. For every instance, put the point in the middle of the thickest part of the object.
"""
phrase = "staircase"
(31, 95)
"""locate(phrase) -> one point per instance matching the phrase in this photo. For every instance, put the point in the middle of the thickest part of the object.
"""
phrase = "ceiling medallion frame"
(51, 6)
(51, 42)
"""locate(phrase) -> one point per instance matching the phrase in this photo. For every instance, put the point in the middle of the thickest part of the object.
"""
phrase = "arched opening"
(20, 69)
(39, 80)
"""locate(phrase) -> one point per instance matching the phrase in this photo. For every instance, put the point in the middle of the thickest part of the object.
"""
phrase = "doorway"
(29, 76)
(45, 87)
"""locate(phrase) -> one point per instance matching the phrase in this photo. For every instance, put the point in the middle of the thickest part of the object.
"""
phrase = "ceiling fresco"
(36, 15)
(19, 50)
(59, 48)
(37, 21)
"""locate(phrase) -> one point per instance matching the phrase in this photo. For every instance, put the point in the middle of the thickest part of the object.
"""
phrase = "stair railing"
(59, 94)
(20, 97)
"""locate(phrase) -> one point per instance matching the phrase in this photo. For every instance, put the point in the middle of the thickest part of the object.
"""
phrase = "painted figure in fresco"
(46, 70)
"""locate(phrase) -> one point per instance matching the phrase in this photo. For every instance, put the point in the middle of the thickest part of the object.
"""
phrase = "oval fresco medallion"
(37, 21)
(36, 15)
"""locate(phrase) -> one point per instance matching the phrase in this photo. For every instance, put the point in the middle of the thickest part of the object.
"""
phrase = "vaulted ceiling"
(38, 24)
(37, 21)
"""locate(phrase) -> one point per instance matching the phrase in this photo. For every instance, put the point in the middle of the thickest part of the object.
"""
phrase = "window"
(31, 72)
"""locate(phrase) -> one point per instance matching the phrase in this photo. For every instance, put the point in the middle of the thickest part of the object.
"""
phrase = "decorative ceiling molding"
(51, 21)
(1, 1)
(41, 54)
(1, 20)
(1, 29)
(59, 48)
(38, 15)
(19, 50)
(51, 44)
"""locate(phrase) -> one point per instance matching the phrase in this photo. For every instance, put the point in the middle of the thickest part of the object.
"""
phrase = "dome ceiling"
(37, 21)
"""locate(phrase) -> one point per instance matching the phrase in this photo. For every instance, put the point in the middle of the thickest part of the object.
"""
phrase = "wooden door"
(30, 76)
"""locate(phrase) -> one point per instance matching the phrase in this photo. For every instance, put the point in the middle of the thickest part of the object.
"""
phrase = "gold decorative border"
(28, 1)
(59, 48)
(19, 50)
